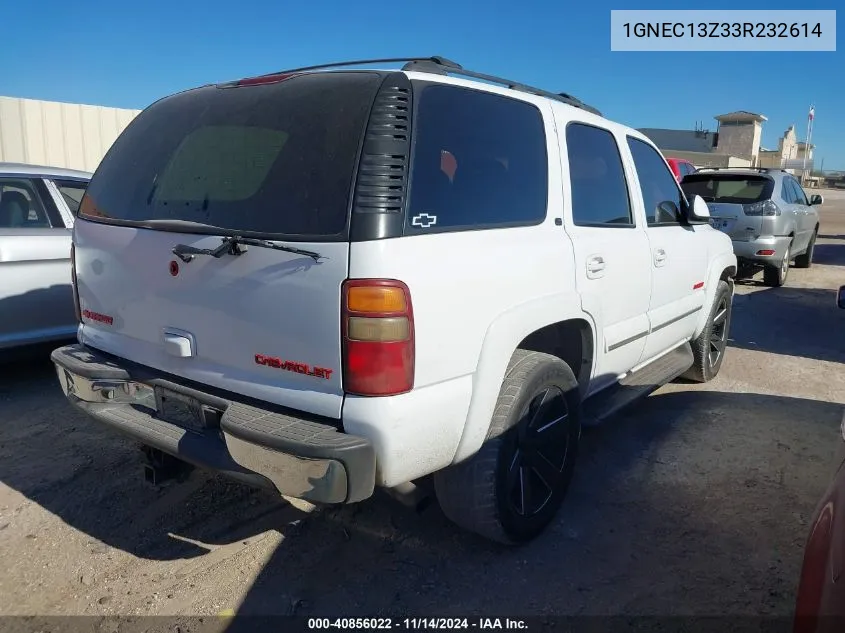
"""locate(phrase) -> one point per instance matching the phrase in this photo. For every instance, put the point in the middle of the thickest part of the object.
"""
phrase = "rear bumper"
(751, 250)
(290, 453)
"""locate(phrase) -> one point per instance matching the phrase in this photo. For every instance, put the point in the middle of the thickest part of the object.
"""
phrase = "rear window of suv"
(728, 188)
(271, 159)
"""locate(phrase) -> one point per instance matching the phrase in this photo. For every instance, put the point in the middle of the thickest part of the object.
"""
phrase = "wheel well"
(571, 341)
(729, 272)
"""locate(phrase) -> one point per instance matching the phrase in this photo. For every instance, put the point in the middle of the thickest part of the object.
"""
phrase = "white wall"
(736, 161)
(58, 134)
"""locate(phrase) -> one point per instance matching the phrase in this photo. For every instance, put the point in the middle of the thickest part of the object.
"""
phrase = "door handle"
(659, 257)
(595, 266)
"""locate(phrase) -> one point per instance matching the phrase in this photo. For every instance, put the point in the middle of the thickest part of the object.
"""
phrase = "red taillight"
(377, 325)
(74, 286)
(767, 252)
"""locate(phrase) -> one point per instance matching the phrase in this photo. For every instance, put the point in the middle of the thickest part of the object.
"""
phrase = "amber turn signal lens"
(376, 299)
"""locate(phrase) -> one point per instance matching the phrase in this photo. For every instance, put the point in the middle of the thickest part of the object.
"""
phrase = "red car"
(820, 604)
(681, 167)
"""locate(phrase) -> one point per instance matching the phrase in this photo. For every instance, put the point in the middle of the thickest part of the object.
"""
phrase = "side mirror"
(816, 199)
(667, 211)
(840, 297)
(698, 212)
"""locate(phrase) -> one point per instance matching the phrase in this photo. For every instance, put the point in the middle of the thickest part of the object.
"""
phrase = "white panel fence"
(57, 134)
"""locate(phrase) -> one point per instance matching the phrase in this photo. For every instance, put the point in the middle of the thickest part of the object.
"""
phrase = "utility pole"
(810, 117)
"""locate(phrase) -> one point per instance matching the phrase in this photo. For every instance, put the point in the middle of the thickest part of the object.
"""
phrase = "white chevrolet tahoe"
(332, 279)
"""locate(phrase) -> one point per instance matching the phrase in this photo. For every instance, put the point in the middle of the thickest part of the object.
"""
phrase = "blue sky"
(129, 54)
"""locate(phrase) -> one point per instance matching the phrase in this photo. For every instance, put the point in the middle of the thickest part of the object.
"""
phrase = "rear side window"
(728, 188)
(800, 196)
(479, 161)
(787, 192)
(72, 192)
(21, 206)
(273, 159)
(599, 189)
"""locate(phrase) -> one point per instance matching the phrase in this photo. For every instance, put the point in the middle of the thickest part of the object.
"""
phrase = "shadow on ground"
(831, 254)
(691, 502)
(793, 319)
(93, 479)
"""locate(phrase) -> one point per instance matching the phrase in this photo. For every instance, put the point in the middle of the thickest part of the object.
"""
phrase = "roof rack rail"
(759, 169)
(436, 65)
(767, 169)
(442, 61)
(442, 66)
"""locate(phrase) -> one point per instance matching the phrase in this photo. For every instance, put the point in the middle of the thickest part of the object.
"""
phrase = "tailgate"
(730, 218)
(272, 160)
(727, 193)
(265, 324)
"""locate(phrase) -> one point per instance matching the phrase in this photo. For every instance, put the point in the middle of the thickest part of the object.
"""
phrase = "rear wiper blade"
(279, 247)
(236, 245)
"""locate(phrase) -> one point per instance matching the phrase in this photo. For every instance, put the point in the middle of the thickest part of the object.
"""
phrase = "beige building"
(709, 159)
(739, 134)
(791, 154)
(735, 143)
(58, 134)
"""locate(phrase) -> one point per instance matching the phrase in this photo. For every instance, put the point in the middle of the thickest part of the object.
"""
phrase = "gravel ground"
(695, 501)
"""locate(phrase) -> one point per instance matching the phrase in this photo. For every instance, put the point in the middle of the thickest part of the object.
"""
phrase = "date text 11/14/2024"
(415, 624)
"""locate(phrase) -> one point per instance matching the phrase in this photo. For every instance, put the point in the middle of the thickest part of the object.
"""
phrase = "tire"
(708, 350)
(512, 488)
(775, 276)
(806, 260)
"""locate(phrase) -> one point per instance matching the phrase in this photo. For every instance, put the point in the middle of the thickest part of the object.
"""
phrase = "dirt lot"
(694, 502)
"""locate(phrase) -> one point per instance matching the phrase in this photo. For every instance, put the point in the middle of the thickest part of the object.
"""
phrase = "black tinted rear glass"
(736, 188)
(271, 159)
(479, 161)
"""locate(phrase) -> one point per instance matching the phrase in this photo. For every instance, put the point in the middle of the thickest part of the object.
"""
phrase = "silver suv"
(766, 213)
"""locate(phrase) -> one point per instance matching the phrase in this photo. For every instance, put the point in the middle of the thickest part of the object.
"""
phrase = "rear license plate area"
(183, 411)
(722, 224)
